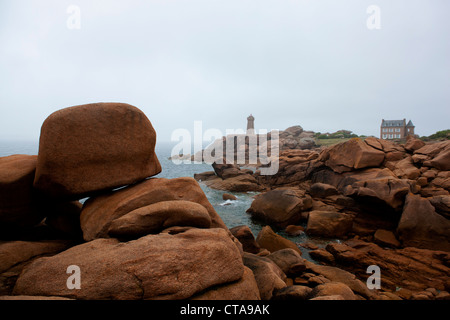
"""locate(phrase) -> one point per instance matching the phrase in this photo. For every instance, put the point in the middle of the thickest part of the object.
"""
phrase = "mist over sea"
(233, 213)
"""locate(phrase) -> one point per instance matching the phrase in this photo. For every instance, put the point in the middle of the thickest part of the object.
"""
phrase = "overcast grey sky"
(288, 62)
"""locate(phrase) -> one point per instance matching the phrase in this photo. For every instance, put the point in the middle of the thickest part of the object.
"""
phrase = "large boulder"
(392, 151)
(431, 150)
(420, 226)
(158, 216)
(292, 293)
(268, 275)
(441, 204)
(350, 155)
(386, 238)
(405, 169)
(306, 143)
(93, 147)
(244, 289)
(288, 260)
(340, 181)
(333, 289)
(292, 131)
(294, 167)
(281, 207)
(228, 169)
(442, 180)
(328, 224)
(99, 212)
(18, 207)
(15, 255)
(442, 161)
(162, 266)
(246, 237)
(388, 191)
(271, 241)
(322, 190)
(412, 144)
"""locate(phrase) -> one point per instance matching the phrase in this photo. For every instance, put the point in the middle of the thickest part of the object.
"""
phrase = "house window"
(391, 130)
(397, 129)
(384, 136)
(391, 136)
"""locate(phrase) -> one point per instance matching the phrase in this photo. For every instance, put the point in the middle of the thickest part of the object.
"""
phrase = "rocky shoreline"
(388, 203)
(139, 237)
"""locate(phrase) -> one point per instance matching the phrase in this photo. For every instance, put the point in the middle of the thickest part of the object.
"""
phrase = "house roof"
(393, 123)
(410, 124)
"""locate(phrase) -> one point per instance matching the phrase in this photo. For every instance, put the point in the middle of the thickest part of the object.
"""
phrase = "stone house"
(396, 129)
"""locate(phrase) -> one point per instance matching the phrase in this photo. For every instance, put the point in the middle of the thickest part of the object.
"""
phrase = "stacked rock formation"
(136, 237)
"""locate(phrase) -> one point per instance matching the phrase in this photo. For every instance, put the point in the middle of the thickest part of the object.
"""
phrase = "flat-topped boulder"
(94, 147)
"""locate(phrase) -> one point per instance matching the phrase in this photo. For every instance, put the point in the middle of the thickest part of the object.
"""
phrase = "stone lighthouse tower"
(250, 124)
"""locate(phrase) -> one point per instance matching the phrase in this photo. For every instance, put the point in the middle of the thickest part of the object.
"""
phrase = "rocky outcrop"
(83, 149)
(149, 239)
(296, 138)
(393, 196)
